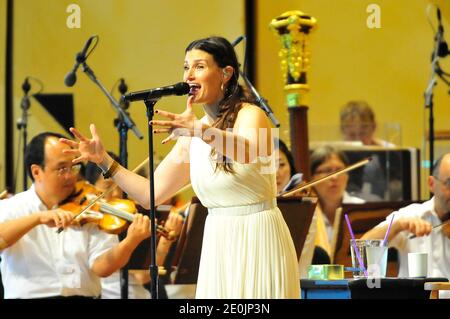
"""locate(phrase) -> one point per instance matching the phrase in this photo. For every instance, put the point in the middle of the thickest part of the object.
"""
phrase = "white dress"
(247, 248)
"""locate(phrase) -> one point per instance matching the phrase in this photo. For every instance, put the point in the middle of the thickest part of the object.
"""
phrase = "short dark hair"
(285, 150)
(92, 171)
(324, 152)
(35, 151)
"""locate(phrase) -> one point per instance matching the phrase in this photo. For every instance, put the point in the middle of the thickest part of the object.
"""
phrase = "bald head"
(439, 184)
(443, 160)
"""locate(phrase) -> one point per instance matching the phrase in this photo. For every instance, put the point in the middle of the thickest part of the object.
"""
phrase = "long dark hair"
(234, 96)
(285, 150)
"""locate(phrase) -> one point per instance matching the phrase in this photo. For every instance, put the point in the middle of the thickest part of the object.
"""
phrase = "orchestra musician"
(36, 260)
(138, 278)
(324, 160)
(111, 284)
(428, 222)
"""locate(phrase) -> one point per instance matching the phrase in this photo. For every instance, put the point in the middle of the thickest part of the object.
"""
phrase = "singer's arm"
(170, 176)
(251, 136)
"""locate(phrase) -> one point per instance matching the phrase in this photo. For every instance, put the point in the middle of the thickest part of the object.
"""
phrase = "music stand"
(297, 212)
(190, 244)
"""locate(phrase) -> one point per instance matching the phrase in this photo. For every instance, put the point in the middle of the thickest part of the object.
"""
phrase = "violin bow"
(324, 178)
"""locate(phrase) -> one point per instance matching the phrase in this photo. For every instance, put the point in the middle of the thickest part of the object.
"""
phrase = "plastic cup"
(376, 255)
(360, 244)
(373, 255)
(417, 265)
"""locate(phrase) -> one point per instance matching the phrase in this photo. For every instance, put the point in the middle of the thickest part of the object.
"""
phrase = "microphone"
(123, 88)
(71, 77)
(25, 103)
(238, 40)
(442, 50)
(180, 88)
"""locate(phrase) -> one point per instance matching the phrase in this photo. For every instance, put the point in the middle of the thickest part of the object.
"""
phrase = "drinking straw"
(388, 230)
(355, 248)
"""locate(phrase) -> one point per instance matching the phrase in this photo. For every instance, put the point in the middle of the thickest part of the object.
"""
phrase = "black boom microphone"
(237, 40)
(442, 45)
(25, 103)
(71, 77)
(180, 88)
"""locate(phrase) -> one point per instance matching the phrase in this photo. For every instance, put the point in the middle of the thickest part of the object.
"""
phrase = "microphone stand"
(22, 125)
(126, 118)
(429, 99)
(122, 128)
(441, 73)
(150, 103)
(262, 102)
(124, 123)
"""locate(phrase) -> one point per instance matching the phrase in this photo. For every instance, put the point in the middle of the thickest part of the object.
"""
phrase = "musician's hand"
(173, 224)
(86, 149)
(139, 228)
(55, 218)
(415, 225)
(184, 124)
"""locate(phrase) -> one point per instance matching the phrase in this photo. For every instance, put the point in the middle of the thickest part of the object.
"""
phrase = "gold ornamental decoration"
(294, 28)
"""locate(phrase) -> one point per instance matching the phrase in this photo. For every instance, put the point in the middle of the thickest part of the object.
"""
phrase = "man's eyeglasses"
(74, 169)
(446, 183)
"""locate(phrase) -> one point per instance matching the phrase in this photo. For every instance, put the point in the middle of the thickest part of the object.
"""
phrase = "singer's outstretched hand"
(86, 149)
(184, 124)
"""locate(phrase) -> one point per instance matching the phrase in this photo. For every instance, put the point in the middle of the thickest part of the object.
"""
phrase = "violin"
(112, 216)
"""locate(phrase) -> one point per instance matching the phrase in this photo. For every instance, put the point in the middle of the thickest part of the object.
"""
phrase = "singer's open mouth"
(194, 88)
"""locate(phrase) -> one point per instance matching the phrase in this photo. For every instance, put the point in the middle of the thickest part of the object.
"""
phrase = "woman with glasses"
(331, 193)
